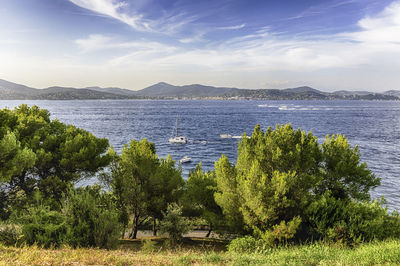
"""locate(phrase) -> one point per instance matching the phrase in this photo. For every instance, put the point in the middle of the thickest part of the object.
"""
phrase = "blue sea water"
(373, 125)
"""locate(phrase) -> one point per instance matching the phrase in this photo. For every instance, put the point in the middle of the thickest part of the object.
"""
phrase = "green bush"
(44, 227)
(88, 219)
(351, 222)
(246, 244)
(148, 246)
(9, 234)
(173, 223)
(92, 219)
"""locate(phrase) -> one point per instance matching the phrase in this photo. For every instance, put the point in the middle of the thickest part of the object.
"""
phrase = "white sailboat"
(177, 139)
(185, 159)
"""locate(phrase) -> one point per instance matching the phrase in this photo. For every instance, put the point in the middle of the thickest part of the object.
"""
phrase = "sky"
(326, 44)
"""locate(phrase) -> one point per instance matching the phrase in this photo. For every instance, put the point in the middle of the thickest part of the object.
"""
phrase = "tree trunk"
(209, 231)
(123, 232)
(134, 228)
(154, 226)
(134, 232)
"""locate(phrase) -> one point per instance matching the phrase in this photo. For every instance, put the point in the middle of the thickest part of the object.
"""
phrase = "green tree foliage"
(344, 175)
(165, 187)
(227, 195)
(14, 160)
(173, 223)
(199, 196)
(142, 183)
(280, 172)
(52, 155)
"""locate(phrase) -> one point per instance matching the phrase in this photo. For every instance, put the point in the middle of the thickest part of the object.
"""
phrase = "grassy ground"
(204, 252)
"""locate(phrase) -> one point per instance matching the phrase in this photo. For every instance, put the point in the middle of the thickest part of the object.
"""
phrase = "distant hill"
(14, 91)
(113, 90)
(165, 90)
(63, 93)
(162, 90)
(349, 93)
(392, 93)
(304, 89)
(9, 90)
(274, 94)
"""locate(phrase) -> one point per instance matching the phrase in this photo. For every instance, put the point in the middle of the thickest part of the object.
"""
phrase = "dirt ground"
(195, 233)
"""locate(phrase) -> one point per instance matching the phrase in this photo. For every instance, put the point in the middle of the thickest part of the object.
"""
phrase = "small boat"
(177, 139)
(225, 136)
(185, 159)
(239, 137)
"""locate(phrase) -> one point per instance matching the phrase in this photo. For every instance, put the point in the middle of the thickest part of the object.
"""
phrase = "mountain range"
(162, 90)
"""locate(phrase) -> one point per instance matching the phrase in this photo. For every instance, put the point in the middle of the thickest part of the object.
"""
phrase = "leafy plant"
(92, 219)
(350, 222)
(148, 246)
(44, 227)
(9, 234)
(246, 244)
(174, 224)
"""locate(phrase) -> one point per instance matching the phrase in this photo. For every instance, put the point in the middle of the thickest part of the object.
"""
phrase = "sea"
(372, 125)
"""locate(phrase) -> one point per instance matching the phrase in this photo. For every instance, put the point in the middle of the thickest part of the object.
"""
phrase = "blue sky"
(330, 45)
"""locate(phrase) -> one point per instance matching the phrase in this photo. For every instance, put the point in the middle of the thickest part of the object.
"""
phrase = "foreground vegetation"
(385, 252)
(285, 189)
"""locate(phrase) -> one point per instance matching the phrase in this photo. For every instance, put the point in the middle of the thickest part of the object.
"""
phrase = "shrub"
(249, 244)
(9, 234)
(350, 222)
(280, 233)
(92, 219)
(173, 223)
(148, 246)
(44, 227)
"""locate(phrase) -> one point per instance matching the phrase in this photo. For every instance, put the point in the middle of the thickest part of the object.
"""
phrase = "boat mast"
(176, 127)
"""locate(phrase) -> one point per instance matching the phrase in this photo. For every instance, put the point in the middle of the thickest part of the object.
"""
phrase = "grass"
(204, 252)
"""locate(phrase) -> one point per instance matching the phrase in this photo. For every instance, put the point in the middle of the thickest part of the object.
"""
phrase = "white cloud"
(383, 28)
(168, 23)
(95, 42)
(376, 43)
(235, 27)
(115, 9)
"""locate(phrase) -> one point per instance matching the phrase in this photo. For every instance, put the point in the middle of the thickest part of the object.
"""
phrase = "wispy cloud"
(265, 50)
(319, 9)
(176, 23)
(167, 24)
(235, 27)
(117, 10)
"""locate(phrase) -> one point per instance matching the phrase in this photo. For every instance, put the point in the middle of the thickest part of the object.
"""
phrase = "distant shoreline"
(165, 91)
